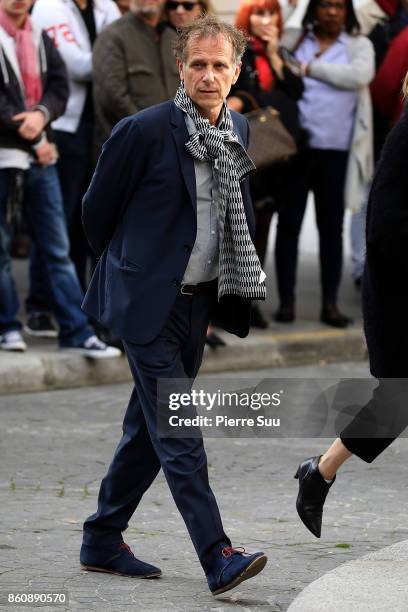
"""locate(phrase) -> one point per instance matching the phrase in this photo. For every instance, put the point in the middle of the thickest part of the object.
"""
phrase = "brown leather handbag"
(269, 140)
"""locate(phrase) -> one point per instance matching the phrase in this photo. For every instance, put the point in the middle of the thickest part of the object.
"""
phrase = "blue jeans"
(46, 224)
(75, 168)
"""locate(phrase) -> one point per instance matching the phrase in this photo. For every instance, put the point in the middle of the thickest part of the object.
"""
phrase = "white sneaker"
(12, 341)
(95, 349)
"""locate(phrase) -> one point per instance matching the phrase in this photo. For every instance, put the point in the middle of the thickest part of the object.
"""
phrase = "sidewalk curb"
(41, 369)
(374, 583)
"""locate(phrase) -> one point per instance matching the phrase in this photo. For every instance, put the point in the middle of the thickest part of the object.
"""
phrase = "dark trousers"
(175, 353)
(269, 192)
(323, 172)
(75, 169)
(380, 421)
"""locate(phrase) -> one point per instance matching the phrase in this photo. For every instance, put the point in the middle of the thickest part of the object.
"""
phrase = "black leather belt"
(199, 288)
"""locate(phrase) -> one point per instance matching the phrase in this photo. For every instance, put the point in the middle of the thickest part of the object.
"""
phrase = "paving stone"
(55, 447)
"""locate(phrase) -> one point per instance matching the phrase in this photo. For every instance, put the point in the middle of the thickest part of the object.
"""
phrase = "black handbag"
(269, 142)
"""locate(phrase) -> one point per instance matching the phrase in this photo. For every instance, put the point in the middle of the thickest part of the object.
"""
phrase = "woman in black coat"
(266, 80)
(385, 308)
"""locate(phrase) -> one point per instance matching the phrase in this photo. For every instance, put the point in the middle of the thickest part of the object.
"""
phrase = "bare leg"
(333, 458)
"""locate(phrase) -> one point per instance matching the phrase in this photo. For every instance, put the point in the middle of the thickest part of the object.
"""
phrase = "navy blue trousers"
(175, 353)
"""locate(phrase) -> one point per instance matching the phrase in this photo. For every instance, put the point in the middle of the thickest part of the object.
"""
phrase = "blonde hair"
(210, 26)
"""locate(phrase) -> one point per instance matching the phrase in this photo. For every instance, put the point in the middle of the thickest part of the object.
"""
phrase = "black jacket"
(385, 286)
(54, 98)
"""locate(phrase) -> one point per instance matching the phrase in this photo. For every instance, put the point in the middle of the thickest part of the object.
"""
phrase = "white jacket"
(64, 24)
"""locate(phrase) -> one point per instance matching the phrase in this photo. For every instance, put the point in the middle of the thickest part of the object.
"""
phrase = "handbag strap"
(248, 96)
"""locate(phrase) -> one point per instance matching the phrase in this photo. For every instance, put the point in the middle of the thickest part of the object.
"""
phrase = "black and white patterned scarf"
(240, 271)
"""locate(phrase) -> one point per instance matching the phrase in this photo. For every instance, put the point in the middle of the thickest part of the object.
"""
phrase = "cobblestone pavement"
(54, 450)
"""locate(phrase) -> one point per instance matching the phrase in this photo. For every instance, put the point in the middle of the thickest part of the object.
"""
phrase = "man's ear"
(237, 73)
(180, 69)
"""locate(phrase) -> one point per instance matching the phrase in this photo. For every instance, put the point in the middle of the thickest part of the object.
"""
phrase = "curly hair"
(207, 27)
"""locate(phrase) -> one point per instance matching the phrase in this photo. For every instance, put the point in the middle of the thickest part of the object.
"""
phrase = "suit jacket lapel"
(181, 136)
(238, 132)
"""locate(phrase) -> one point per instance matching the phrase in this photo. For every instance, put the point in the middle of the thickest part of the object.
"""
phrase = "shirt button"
(213, 231)
(209, 261)
(176, 282)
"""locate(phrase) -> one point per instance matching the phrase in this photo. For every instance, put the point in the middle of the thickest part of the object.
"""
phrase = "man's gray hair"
(210, 26)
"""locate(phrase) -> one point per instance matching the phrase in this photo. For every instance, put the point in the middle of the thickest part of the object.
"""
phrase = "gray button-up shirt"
(203, 262)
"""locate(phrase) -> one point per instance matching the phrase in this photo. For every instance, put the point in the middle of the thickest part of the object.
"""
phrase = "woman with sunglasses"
(335, 110)
(177, 13)
(267, 80)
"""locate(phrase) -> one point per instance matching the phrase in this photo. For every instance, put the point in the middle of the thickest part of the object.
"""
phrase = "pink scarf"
(27, 57)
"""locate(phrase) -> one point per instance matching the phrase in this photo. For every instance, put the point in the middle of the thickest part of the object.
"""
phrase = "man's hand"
(33, 123)
(46, 153)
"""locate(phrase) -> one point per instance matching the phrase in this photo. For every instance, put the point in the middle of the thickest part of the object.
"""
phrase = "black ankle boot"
(333, 317)
(285, 314)
(313, 490)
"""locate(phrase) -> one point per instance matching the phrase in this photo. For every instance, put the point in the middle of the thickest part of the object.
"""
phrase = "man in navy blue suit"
(169, 215)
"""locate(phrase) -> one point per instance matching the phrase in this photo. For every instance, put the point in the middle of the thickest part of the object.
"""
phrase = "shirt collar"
(191, 126)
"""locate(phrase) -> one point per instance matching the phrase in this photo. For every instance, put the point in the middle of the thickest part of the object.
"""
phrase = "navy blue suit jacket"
(140, 218)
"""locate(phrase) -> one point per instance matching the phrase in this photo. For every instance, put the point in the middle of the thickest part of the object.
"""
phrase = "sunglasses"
(172, 5)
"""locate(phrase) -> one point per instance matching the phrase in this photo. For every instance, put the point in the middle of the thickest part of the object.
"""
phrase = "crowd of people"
(71, 69)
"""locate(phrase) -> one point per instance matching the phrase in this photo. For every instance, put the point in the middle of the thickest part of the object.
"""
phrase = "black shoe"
(93, 348)
(118, 560)
(285, 314)
(213, 340)
(257, 318)
(313, 490)
(331, 316)
(40, 325)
